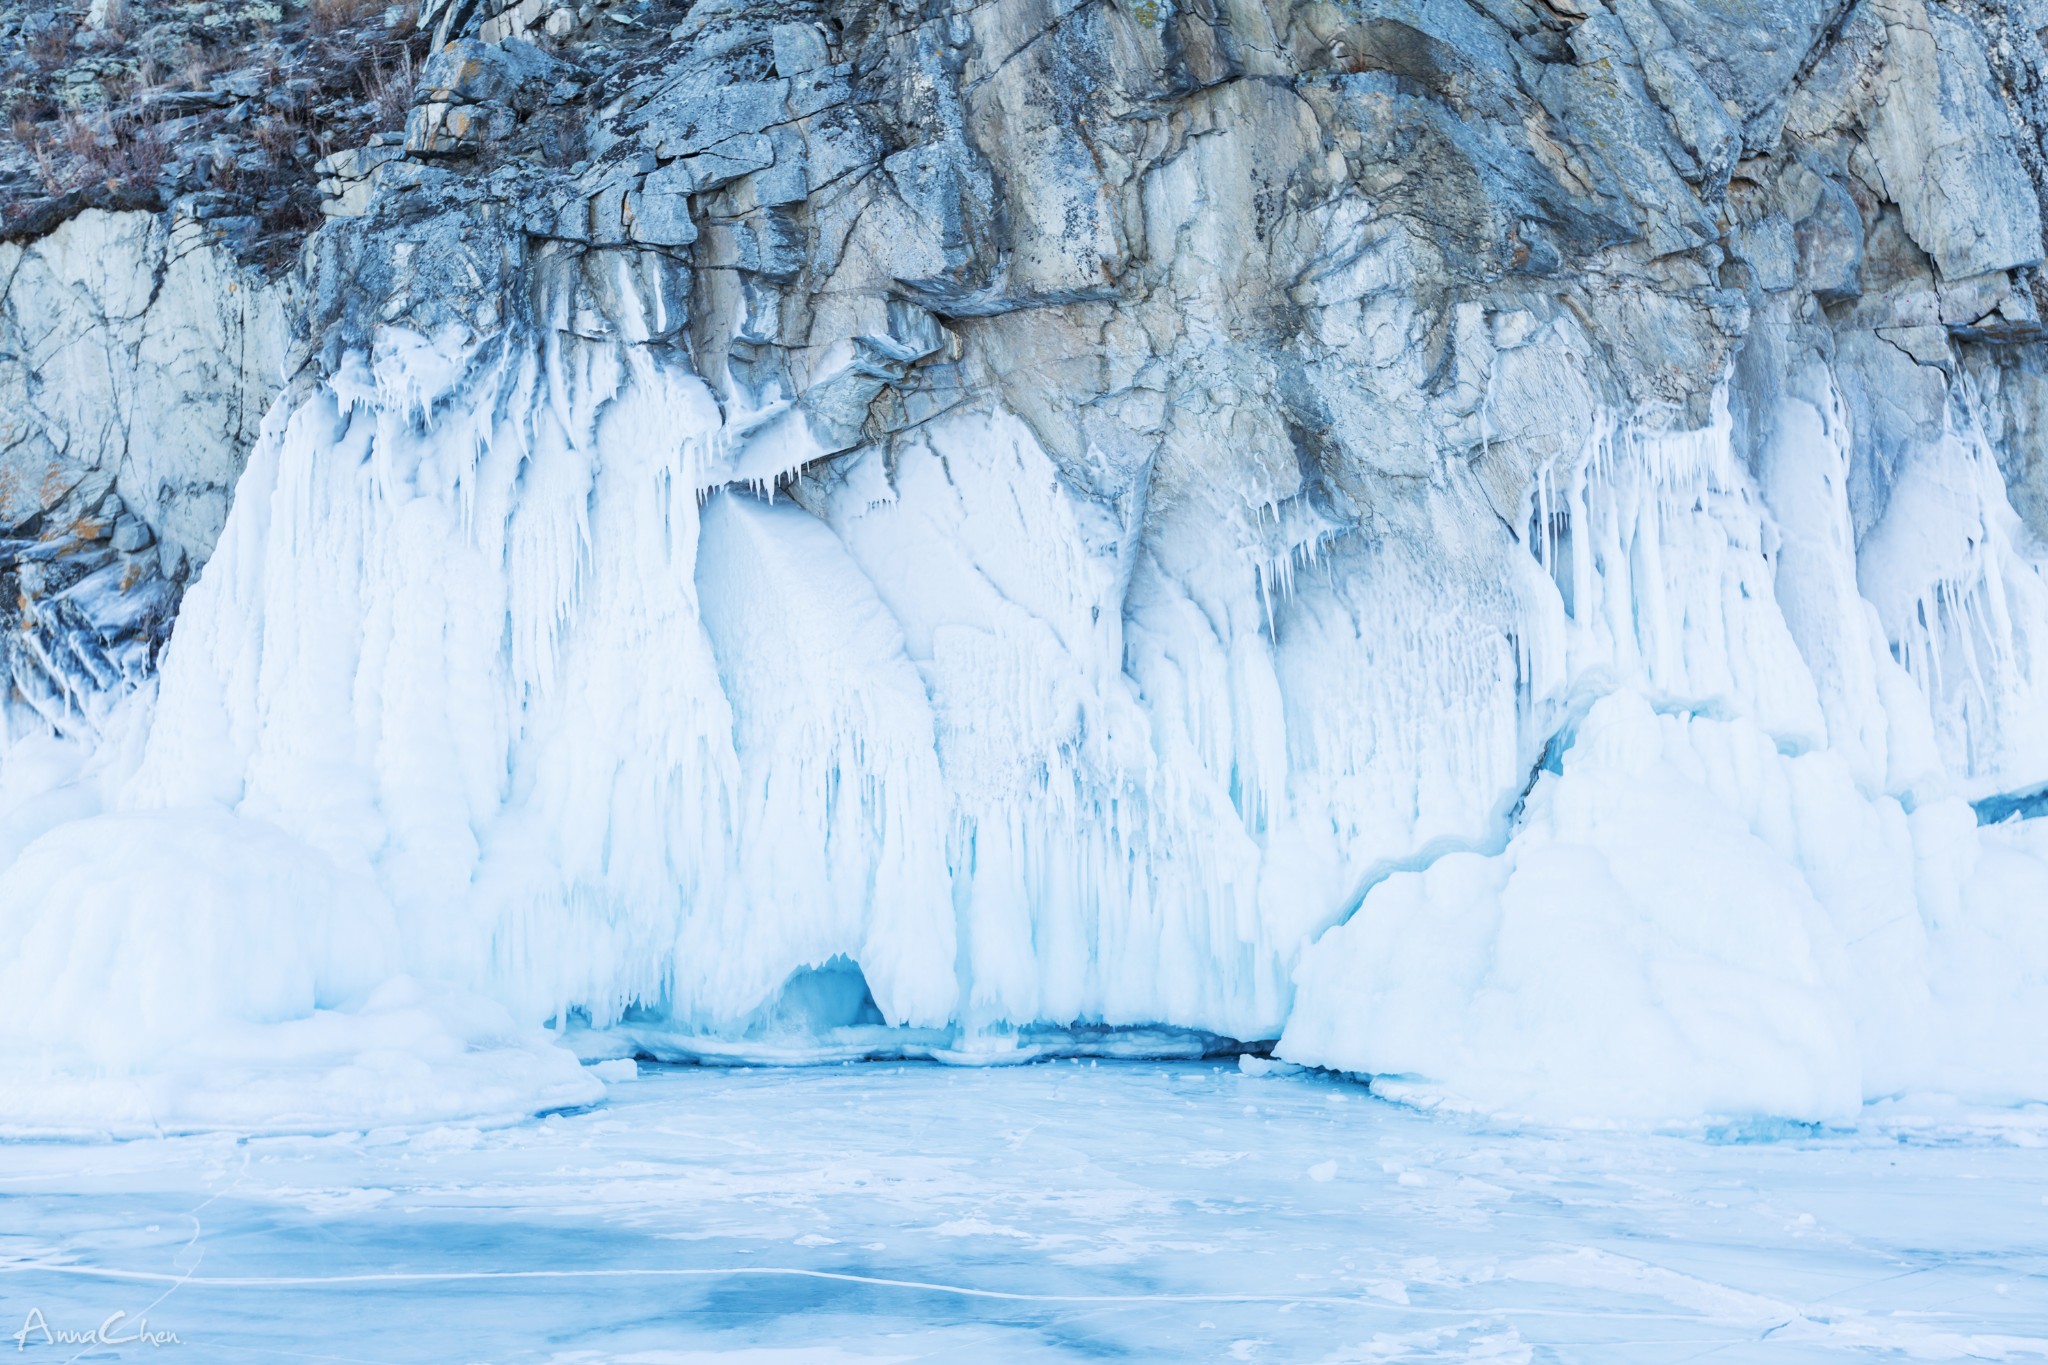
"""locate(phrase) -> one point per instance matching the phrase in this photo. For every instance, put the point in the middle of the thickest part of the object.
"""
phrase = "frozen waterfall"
(526, 688)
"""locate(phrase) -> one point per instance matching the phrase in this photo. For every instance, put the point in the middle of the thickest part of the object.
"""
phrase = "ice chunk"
(1639, 950)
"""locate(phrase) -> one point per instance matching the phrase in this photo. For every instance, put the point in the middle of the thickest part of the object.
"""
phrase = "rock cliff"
(1175, 479)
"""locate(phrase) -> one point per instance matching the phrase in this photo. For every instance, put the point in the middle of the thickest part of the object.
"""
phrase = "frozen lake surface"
(1052, 1212)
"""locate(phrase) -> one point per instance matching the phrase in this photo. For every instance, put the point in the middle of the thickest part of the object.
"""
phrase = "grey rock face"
(136, 360)
(472, 92)
(1945, 149)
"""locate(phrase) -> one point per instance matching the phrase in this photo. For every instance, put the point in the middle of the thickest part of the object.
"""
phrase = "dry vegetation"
(234, 98)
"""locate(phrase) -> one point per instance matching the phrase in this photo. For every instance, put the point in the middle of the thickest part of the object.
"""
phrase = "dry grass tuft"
(388, 86)
(332, 16)
(119, 25)
(50, 46)
(77, 150)
(197, 65)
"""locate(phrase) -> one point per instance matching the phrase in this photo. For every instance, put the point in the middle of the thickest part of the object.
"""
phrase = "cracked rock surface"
(136, 359)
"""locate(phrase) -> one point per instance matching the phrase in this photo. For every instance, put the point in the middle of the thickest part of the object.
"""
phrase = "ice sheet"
(1150, 1212)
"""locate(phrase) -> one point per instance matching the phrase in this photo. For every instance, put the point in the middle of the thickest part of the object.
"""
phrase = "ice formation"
(525, 688)
(1741, 878)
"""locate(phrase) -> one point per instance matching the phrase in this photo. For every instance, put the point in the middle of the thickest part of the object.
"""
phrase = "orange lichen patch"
(131, 574)
(53, 486)
(79, 532)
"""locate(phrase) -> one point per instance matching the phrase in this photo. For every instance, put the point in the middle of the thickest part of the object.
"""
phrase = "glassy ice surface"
(1058, 1211)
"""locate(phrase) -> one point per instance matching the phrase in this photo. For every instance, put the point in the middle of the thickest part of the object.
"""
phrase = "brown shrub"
(125, 150)
(139, 152)
(78, 136)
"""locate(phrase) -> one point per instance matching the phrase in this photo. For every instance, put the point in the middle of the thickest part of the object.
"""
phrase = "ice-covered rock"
(1491, 544)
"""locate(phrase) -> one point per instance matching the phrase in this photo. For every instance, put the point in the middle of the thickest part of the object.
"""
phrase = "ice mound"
(126, 935)
(411, 1055)
(1686, 923)
(167, 971)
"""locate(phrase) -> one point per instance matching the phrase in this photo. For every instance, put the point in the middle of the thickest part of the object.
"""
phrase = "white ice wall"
(497, 683)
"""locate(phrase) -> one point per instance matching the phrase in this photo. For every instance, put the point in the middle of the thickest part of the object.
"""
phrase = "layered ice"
(533, 687)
